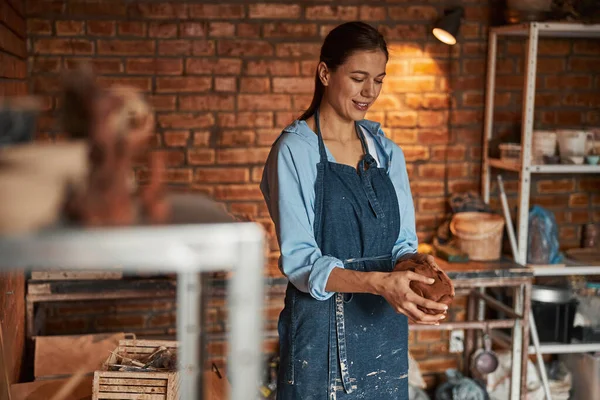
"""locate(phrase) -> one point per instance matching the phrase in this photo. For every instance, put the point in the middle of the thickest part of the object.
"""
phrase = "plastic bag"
(542, 241)
(460, 388)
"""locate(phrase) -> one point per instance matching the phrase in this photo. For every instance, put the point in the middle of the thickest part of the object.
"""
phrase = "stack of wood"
(161, 360)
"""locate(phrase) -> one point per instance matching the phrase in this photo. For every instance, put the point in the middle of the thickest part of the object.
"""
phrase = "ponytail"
(316, 101)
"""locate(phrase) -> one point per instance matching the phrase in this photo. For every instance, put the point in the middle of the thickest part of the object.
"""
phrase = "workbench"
(473, 279)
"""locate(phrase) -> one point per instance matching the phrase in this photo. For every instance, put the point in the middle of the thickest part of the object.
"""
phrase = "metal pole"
(188, 335)
(489, 114)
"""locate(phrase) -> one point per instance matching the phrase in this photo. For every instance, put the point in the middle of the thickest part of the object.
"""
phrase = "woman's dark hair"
(343, 41)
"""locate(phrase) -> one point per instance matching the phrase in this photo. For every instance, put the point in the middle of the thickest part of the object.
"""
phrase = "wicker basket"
(479, 234)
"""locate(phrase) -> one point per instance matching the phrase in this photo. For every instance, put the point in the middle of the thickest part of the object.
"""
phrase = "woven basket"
(479, 234)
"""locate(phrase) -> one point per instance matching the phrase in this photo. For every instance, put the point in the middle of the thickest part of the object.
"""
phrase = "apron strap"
(322, 151)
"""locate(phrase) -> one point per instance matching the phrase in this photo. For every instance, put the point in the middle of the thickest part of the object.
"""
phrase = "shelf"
(551, 29)
(564, 348)
(564, 271)
(546, 169)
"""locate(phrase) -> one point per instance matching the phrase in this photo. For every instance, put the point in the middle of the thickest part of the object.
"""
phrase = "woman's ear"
(323, 72)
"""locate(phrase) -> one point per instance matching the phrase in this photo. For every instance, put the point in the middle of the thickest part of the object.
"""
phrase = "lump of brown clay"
(441, 291)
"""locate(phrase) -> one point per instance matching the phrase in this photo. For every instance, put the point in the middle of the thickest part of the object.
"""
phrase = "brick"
(228, 84)
(433, 136)
(13, 88)
(255, 85)
(580, 217)
(401, 119)
(244, 48)
(554, 47)
(580, 99)
(46, 7)
(183, 84)
(551, 65)
(586, 47)
(97, 8)
(371, 13)
(126, 47)
(473, 67)
(430, 119)
(274, 11)
(162, 102)
(259, 119)
(221, 29)
(163, 30)
(581, 64)
(289, 30)
(272, 67)
(415, 153)
(403, 136)
(67, 326)
(69, 28)
(429, 336)
(403, 32)
(568, 82)
(556, 186)
(39, 26)
(221, 175)
(270, 102)
(175, 47)
(133, 28)
(472, 82)
(248, 209)
(173, 158)
(589, 184)
(193, 29)
(63, 46)
(12, 67)
(100, 65)
(300, 50)
(236, 138)
(200, 156)
(176, 138)
(143, 84)
(220, 66)
(247, 30)
(450, 153)
(185, 120)
(431, 204)
(293, 85)
(337, 13)
(237, 192)
(203, 48)
(384, 102)
(413, 13)
(409, 84)
(466, 117)
(154, 66)
(158, 10)
(301, 102)
(461, 186)
(242, 156)
(201, 138)
(213, 102)
(217, 11)
(101, 28)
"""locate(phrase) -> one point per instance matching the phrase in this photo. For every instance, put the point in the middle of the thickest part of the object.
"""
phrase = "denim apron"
(351, 346)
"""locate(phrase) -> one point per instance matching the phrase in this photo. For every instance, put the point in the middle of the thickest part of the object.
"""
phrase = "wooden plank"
(138, 375)
(133, 389)
(102, 380)
(62, 275)
(66, 355)
(12, 318)
(131, 294)
(39, 288)
(139, 343)
(96, 286)
(45, 390)
(130, 396)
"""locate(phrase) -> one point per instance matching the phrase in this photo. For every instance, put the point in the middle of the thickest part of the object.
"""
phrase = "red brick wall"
(226, 78)
(13, 74)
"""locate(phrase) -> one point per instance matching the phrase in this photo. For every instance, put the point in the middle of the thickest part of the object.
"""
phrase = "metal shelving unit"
(533, 32)
(188, 250)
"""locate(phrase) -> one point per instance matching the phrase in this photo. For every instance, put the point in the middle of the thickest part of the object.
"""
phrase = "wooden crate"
(136, 385)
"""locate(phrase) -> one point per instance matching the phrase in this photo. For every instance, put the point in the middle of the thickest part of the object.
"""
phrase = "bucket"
(571, 142)
(479, 234)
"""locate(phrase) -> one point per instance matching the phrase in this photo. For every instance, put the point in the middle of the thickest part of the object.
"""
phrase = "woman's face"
(354, 86)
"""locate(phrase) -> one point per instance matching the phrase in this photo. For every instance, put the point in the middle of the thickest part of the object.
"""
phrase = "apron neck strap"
(359, 132)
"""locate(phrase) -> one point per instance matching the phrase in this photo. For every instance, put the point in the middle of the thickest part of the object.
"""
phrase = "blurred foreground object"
(86, 181)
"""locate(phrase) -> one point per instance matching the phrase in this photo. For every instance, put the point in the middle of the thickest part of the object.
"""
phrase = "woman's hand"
(395, 288)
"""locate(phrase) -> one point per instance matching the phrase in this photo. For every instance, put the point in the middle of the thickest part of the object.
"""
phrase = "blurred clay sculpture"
(441, 291)
(119, 125)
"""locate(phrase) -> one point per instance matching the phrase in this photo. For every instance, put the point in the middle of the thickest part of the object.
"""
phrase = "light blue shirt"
(288, 186)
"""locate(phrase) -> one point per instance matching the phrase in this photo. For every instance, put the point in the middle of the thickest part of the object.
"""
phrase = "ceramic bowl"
(592, 159)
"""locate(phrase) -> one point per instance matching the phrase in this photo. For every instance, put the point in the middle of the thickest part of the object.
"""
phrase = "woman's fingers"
(420, 315)
(426, 303)
(413, 276)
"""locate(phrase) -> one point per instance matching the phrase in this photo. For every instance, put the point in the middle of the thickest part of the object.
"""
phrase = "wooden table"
(472, 279)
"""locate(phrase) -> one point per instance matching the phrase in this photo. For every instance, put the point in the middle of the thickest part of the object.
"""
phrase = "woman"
(338, 192)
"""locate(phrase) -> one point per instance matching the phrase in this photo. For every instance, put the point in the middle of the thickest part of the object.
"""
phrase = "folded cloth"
(441, 291)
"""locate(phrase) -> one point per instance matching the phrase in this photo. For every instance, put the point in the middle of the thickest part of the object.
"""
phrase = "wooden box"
(136, 385)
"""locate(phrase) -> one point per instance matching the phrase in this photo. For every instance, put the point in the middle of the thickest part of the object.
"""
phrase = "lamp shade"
(446, 28)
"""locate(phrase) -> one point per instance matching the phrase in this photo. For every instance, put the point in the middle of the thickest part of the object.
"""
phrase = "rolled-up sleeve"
(407, 241)
(287, 192)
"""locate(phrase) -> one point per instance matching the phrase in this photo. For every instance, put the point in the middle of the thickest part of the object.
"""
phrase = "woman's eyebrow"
(366, 73)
